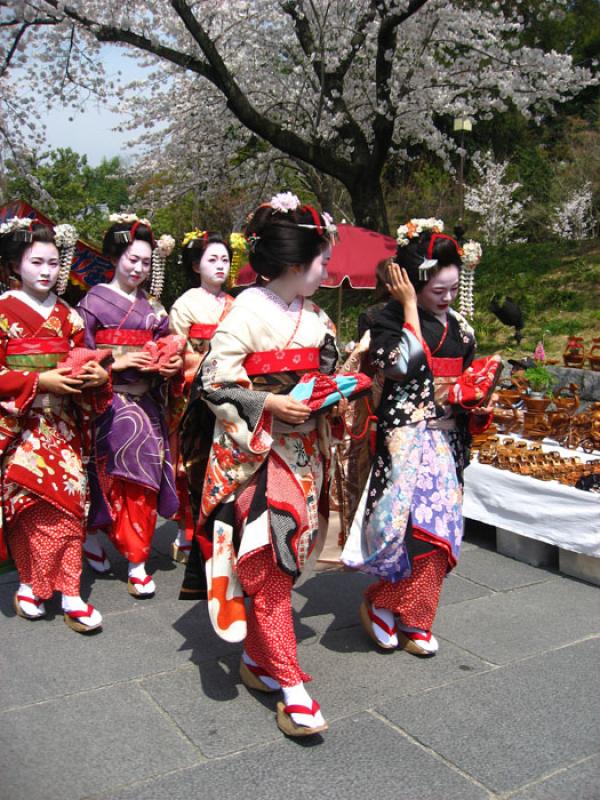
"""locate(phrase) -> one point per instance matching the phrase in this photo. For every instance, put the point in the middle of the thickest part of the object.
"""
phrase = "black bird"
(509, 313)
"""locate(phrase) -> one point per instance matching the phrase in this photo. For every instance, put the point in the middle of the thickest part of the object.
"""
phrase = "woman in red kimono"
(45, 422)
(206, 258)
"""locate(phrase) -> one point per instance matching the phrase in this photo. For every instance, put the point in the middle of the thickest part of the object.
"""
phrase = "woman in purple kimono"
(132, 477)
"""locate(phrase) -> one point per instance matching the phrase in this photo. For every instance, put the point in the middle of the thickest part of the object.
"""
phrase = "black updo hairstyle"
(14, 244)
(192, 254)
(427, 247)
(276, 241)
(114, 245)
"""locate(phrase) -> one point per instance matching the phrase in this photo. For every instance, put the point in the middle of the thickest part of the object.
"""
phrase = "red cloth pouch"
(80, 356)
(476, 385)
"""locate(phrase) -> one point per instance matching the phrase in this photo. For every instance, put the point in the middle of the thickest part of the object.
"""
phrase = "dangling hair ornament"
(239, 249)
(424, 268)
(65, 238)
(164, 247)
(20, 227)
(471, 256)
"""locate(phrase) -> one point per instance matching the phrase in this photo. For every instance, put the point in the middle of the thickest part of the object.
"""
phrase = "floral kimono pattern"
(413, 498)
(45, 439)
(263, 483)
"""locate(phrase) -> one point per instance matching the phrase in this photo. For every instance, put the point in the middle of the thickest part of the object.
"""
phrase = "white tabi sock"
(270, 682)
(75, 603)
(31, 609)
(298, 696)
(138, 570)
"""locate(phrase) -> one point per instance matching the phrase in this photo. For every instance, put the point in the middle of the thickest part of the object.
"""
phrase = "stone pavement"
(153, 709)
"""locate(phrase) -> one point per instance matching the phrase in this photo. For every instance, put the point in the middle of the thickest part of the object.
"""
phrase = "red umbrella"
(354, 258)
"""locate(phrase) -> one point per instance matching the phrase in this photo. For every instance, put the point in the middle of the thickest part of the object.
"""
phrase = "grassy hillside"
(556, 285)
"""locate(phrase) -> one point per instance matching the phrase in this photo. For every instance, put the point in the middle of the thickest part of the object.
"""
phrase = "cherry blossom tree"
(238, 91)
(494, 200)
(573, 219)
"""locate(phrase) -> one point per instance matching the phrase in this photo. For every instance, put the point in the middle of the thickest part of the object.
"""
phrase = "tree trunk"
(368, 204)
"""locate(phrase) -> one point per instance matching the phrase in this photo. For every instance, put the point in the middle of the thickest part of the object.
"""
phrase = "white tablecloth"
(544, 510)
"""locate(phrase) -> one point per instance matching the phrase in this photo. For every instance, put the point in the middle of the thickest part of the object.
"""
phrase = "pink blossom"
(539, 354)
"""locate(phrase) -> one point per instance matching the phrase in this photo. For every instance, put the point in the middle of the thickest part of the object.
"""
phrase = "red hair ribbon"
(135, 226)
(434, 238)
(316, 218)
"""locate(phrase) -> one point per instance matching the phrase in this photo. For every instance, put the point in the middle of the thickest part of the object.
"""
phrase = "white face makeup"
(310, 280)
(38, 269)
(440, 292)
(213, 267)
(133, 266)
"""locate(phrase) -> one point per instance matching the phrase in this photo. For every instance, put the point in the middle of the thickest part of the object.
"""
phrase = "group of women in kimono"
(115, 412)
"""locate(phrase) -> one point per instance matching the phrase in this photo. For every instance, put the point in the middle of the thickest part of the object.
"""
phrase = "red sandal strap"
(140, 581)
(296, 709)
(94, 557)
(36, 601)
(419, 636)
(383, 625)
(77, 614)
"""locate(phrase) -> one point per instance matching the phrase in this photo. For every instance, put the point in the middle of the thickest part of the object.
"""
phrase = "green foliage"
(83, 195)
(540, 379)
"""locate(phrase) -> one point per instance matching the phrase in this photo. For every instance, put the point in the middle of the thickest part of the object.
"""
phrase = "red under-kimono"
(44, 442)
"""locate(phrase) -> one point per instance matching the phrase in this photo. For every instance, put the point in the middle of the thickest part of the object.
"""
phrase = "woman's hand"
(93, 374)
(136, 360)
(172, 367)
(340, 408)
(400, 287)
(286, 409)
(59, 381)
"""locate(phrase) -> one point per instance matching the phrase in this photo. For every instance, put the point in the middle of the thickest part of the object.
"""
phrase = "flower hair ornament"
(415, 227)
(65, 239)
(126, 237)
(193, 236)
(164, 247)
(471, 256)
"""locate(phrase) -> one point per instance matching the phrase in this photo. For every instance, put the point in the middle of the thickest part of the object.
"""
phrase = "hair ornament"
(164, 247)
(193, 236)
(330, 228)
(252, 239)
(65, 238)
(415, 227)
(284, 202)
(126, 237)
(239, 249)
(20, 227)
(424, 268)
(471, 253)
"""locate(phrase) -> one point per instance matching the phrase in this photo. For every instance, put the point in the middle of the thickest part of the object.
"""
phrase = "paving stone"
(458, 590)
(143, 641)
(498, 572)
(579, 782)
(358, 756)
(86, 743)
(512, 725)
(510, 625)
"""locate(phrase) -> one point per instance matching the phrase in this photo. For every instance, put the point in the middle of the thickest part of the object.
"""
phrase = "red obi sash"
(270, 362)
(447, 367)
(36, 346)
(199, 331)
(116, 336)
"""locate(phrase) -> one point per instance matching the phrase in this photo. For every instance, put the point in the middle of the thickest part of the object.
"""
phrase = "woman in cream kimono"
(263, 506)
(206, 258)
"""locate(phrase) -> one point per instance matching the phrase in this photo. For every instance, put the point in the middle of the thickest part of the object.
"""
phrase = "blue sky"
(91, 131)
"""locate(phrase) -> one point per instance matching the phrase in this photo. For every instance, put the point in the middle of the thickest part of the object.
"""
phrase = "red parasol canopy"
(354, 257)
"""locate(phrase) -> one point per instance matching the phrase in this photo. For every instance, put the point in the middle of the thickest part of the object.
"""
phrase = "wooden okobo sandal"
(594, 354)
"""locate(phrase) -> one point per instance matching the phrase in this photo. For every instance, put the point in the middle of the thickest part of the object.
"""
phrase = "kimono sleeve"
(180, 318)
(90, 322)
(395, 348)
(228, 391)
(17, 388)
